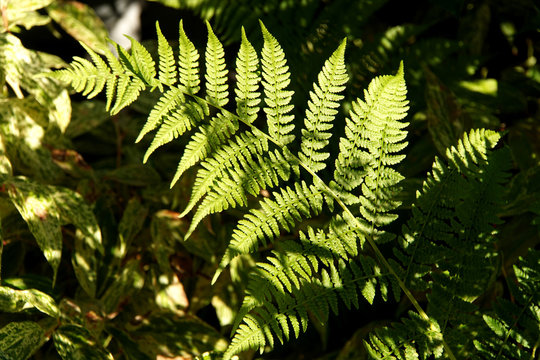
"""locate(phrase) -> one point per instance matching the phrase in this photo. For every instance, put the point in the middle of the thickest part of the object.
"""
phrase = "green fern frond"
(410, 340)
(174, 125)
(276, 78)
(374, 135)
(216, 73)
(167, 64)
(188, 63)
(235, 154)
(231, 190)
(452, 228)
(167, 102)
(140, 62)
(514, 332)
(209, 137)
(128, 90)
(247, 81)
(84, 76)
(322, 110)
(282, 291)
(290, 206)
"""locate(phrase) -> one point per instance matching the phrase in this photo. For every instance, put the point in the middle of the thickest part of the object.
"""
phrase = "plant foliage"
(287, 220)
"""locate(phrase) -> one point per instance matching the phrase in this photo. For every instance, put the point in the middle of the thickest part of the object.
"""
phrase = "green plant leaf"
(24, 13)
(167, 334)
(12, 300)
(37, 207)
(74, 342)
(80, 21)
(128, 282)
(19, 340)
(130, 347)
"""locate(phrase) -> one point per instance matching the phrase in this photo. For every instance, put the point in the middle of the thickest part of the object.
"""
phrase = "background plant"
(171, 278)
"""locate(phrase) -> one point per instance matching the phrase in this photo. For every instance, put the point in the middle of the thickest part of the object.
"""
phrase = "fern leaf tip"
(216, 276)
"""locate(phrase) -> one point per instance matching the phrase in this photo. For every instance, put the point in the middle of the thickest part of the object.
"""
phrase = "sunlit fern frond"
(216, 73)
(276, 78)
(207, 139)
(322, 110)
(247, 81)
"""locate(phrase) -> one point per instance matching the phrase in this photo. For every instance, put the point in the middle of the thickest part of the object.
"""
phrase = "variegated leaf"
(80, 21)
(12, 300)
(18, 340)
(37, 207)
(129, 281)
(74, 342)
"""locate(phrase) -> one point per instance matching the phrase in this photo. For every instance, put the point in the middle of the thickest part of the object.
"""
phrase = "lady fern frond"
(276, 78)
(205, 141)
(188, 63)
(322, 266)
(322, 110)
(290, 206)
(167, 63)
(452, 229)
(247, 81)
(216, 73)
(233, 155)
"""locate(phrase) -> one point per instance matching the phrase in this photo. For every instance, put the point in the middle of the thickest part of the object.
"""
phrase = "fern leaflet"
(247, 81)
(321, 110)
(276, 78)
(216, 73)
(167, 63)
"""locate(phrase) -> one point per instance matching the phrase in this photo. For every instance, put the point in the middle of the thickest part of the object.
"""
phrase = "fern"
(452, 229)
(339, 260)
(321, 110)
(276, 78)
(513, 326)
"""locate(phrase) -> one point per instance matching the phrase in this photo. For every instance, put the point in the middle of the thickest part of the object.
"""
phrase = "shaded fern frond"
(452, 230)
(514, 330)
(414, 338)
(276, 78)
(322, 110)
